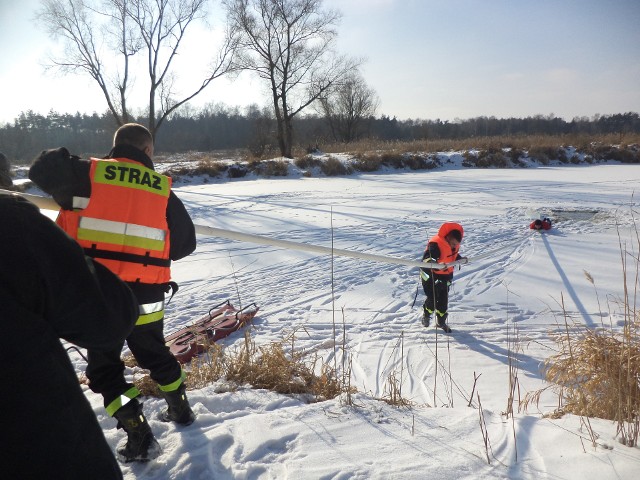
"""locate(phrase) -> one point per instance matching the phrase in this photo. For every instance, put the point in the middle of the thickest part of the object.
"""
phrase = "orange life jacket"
(447, 254)
(123, 224)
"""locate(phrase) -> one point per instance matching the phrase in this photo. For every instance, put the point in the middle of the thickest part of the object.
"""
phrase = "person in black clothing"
(50, 290)
(5, 172)
(70, 180)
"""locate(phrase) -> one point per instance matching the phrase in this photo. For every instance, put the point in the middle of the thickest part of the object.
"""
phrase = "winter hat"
(456, 235)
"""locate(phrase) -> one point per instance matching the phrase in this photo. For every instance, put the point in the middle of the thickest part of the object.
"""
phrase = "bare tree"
(102, 36)
(289, 44)
(75, 23)
(348, 106)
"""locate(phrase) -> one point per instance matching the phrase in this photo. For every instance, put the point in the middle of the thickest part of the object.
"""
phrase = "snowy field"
(253, 434)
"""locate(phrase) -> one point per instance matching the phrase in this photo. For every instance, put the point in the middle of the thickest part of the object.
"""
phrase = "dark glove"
(54, 173)
(56, 154)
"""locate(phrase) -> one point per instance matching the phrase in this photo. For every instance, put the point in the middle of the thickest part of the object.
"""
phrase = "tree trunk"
(279, 123)
(288, 126)
(152, 108)
(287, 133)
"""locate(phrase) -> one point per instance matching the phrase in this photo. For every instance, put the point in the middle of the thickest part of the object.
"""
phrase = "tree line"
(288, 44)
(251, 129)
(314, 93)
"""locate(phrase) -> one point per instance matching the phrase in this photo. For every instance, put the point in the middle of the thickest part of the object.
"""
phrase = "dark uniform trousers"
(436, 288)
(105, 369)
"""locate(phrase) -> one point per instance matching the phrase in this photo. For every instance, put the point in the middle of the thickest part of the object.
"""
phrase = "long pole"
(47, 203)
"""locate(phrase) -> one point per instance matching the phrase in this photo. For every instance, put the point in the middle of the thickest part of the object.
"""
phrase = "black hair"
(133, 134)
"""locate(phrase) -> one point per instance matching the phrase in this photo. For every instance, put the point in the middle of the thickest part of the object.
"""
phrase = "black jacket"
(64, 176)
(50, 290)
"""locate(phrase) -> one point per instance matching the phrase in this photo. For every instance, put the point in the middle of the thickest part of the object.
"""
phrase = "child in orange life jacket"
(442, 248)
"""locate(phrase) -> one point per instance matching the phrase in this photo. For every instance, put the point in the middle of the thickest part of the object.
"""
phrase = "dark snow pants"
(105, 369)
(436, 288)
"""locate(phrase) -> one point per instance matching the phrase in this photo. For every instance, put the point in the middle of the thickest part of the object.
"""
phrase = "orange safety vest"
(123, 224)
(447, 254)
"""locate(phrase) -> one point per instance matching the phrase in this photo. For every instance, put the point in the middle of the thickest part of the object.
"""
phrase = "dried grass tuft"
(206, 166)
(598, 373)
(393, 391)
(147, 387)
(276, 366)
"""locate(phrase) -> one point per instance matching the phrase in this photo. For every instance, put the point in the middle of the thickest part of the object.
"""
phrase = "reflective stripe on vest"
(80, 203)
(119, 233)
(123, 223)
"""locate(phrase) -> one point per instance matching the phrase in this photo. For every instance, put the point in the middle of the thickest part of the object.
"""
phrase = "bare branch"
(347, 106)
(289, 44)
(126, 28)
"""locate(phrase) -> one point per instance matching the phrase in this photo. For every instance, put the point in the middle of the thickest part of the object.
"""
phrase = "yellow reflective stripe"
(129, 175)
(115, 239)
(150, 317)
(172, 387)
(122, 228)
(122, 400)
(120, 233)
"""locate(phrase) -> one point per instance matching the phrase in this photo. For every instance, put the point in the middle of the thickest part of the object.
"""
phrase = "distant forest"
(221, 127)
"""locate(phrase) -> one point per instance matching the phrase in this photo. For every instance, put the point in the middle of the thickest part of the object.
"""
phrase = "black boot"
(179, 410)
(442, 323)
(141, 445)
(426, 318)
(426, 314)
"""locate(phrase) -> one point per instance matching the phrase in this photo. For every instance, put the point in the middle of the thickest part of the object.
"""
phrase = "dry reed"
(521, 142)
(277, 366)
(598, 373)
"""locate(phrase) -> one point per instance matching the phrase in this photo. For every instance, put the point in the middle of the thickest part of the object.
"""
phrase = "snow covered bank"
(261, 435)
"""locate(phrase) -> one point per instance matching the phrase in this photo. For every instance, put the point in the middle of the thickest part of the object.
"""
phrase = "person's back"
(49, 290)
(125, 215)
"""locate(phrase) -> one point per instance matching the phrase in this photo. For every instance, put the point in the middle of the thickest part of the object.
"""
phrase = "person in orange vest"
(442, 248)
(126, 217)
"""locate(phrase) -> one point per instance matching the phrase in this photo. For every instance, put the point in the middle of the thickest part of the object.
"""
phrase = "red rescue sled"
(222, 320)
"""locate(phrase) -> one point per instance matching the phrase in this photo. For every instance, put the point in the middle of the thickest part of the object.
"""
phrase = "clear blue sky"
(426, 59)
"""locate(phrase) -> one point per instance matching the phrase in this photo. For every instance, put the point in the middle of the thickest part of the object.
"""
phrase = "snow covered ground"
(255, 434)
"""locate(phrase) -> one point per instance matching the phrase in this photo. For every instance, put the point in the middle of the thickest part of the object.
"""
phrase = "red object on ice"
(222, 320)
(544, 224)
